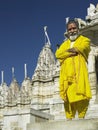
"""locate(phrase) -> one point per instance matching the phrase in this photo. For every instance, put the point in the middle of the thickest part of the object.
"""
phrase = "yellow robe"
(74, 81)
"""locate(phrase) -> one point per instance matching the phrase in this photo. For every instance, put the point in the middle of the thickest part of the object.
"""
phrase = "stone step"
(83, 124)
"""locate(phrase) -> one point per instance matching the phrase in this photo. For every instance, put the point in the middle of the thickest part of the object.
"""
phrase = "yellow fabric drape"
(74, 82)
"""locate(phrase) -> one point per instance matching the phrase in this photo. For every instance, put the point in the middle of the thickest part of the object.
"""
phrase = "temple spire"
(46, 36)
(25, 70)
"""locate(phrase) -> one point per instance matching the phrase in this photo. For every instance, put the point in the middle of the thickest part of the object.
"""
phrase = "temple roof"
(45, 64)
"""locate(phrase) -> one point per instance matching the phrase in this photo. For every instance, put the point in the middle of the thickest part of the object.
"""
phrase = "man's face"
(72, 31)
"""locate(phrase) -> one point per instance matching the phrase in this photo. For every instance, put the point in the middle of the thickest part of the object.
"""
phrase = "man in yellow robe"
(74, 81)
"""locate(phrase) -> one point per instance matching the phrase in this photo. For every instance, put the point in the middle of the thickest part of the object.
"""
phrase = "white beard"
(73, 38)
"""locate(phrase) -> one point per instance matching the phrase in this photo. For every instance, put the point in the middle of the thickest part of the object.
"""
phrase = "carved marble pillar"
(92, 73)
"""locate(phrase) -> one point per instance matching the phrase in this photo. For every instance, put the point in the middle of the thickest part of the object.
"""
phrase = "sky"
(22, 31)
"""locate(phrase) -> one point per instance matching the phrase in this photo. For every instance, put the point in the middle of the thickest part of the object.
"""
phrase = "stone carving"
(45, 65)
(26, 91)
(3, 94)
(57, 67)
(92, 14)
(93, 53)
(97, 8)
(13, 91)
(81, 22)
(91, 10)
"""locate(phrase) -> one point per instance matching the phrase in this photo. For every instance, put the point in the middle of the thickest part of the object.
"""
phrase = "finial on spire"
(46, 36)
(25, 70)
(2, 77)
(13, 75)
(67, 19)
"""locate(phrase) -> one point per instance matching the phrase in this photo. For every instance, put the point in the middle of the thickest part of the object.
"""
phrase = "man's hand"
(73, 54)
(72, 51)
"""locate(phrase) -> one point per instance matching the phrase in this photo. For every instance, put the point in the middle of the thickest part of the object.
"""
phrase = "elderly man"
(74, 82)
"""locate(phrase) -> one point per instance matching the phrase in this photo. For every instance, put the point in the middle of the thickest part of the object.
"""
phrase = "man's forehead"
(71, 25)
